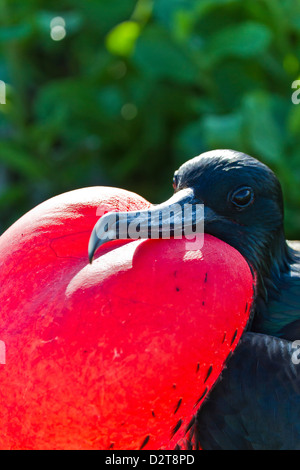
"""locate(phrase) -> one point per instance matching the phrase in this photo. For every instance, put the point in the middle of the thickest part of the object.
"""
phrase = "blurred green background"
(136, 88)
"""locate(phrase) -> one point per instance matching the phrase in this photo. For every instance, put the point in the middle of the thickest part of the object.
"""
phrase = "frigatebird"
(255, 404)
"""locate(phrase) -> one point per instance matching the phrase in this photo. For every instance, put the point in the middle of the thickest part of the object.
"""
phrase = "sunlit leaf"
(121, 39)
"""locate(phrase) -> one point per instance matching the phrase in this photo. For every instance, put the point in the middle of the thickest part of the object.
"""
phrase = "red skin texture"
(104, 355)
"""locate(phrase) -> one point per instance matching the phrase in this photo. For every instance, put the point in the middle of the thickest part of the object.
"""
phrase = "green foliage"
(139, 86)
(122, 38)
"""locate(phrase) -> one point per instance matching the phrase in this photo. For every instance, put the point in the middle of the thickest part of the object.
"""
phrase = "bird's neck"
(277, 262)
(272, 276)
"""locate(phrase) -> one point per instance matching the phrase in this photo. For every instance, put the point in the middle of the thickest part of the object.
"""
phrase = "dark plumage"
(256, 402)
(256, 405)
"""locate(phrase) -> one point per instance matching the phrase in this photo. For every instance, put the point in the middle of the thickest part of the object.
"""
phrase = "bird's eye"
(242, 197)
(175, 181)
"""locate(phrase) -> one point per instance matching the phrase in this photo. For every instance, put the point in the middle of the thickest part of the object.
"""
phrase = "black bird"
(256, 401)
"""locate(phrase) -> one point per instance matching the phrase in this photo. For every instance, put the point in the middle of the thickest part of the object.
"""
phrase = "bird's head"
(243, 206)
(243, 201)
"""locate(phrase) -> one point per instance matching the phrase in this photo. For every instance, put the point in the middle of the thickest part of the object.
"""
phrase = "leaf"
(207, 5)
(18, 160)
(245, 40)
(122, 38)
(103, 14)
(263, 132)
(165, 10)
(12, 194)
(294, 120)
(158, 56)
(189, 142)
(213, 131)
(223, 131)
(15, 32)
(110, 99)
(234, 80)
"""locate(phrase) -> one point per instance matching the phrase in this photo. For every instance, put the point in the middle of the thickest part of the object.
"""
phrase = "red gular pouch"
(120, 353)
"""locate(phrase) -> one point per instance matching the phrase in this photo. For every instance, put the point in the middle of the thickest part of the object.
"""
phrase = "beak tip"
(92, 248)
(93, 245)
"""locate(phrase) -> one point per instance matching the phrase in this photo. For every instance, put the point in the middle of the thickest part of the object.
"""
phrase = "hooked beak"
(179, 216)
